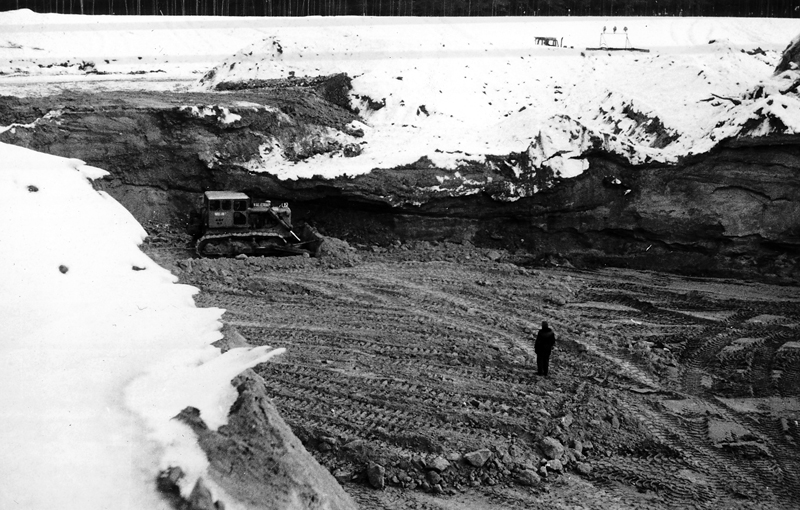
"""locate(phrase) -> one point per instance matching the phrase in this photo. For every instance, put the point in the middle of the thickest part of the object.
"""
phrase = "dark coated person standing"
(545, 340)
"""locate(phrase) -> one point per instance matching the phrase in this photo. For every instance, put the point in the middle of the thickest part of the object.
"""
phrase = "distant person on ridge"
(545, 340)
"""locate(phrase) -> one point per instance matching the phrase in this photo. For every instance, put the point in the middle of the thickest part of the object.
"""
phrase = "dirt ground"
(665, 392)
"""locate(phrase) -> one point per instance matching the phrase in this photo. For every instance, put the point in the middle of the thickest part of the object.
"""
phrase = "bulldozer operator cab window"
(240, 205)
(226, 205)
(213, 205)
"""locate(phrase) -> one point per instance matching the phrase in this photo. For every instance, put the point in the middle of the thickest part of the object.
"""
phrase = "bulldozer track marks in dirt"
(684, 390)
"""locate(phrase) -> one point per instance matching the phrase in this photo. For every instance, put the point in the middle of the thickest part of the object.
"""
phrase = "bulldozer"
(233, 224)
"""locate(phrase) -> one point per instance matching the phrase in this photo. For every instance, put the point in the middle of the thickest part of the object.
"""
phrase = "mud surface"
(665, 392)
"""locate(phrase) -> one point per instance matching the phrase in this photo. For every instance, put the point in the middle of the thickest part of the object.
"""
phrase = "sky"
(102, 347)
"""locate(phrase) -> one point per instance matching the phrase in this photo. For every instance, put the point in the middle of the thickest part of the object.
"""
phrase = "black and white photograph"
(399, 254)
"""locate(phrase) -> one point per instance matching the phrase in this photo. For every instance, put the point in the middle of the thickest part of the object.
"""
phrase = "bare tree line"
(739, 8)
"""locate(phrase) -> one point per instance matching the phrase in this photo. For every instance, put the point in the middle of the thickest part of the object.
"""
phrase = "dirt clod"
(376, 474)
(551, 447)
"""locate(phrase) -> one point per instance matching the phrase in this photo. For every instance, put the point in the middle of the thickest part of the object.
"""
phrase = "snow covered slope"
(449, 89)
(100, 348)
(476, 87)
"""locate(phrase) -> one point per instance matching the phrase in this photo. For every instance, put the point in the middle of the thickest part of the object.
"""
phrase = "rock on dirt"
(555, 465)
(376, 474)
(438, 464)
(494, 255)
(529, 478)
(433, 478)
(583, 468)
(551, 447)
(478, 458)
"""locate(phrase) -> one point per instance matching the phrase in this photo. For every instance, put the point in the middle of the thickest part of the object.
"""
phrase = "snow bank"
(100, 347)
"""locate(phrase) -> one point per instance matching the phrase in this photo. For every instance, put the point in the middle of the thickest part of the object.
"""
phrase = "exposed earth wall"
(735, 210)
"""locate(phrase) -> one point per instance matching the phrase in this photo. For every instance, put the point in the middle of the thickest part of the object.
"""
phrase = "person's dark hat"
(544, 325)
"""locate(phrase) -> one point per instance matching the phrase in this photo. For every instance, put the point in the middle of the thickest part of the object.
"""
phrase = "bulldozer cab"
(226, 209)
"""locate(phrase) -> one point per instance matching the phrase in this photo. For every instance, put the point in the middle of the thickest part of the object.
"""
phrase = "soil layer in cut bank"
(733, 211)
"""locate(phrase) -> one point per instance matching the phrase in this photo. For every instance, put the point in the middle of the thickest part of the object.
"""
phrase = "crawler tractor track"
(248, 243)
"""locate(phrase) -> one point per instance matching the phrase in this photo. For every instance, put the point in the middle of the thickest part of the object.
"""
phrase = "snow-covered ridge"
(445, 94)
(100, 348)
